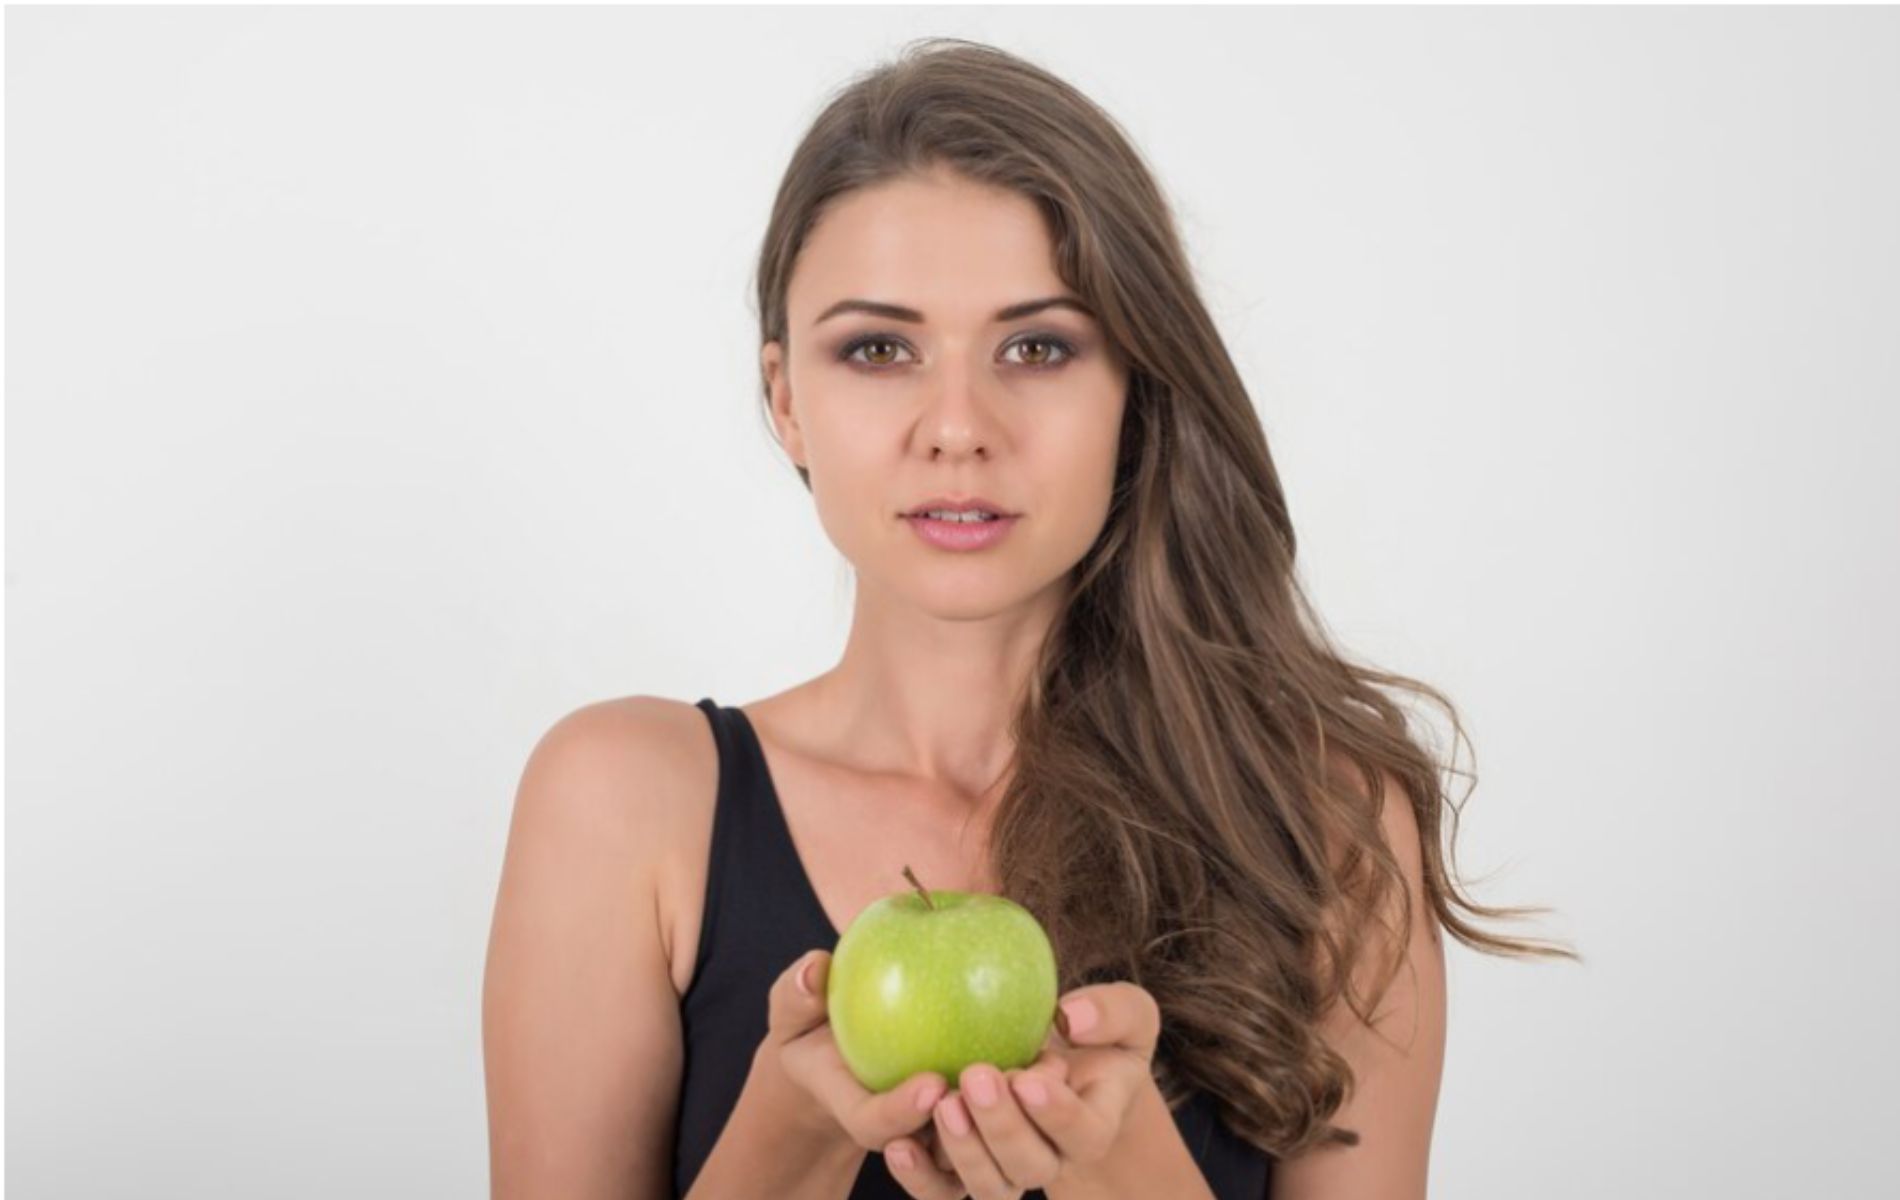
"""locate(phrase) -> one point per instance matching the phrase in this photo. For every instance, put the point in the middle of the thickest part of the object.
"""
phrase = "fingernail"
(901, 1155)
(955, 1117)
(982, 1088)
(931, 1093)
(804, 977)
(1080, 1014)
(1031, 1091)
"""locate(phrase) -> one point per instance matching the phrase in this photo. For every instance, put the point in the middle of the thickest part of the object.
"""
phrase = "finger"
(790, 1011)
(1111, 1014)
(1078, 1131)
(968, 1153)
(919, 1173)
(1051, 1062)
(869, 1118)
(875, 1118)
(1023, 1156)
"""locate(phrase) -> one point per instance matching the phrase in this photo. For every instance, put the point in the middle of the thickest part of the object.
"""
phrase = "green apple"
(935, 981)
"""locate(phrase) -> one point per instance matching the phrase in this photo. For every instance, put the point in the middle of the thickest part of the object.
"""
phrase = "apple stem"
(921, 890)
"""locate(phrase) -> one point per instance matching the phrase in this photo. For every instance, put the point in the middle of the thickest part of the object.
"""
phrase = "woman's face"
(886, 412)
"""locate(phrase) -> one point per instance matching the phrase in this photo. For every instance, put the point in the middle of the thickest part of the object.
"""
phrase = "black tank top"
(761, 913)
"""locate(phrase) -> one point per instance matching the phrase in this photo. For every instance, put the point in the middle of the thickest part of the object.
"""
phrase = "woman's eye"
(1049, 352)
(1049, 346)
(850, 352)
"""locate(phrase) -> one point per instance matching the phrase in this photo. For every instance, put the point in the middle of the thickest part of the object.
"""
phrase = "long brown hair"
(1193, 804)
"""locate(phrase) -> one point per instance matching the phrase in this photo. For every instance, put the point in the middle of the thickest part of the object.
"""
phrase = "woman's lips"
(962, 535)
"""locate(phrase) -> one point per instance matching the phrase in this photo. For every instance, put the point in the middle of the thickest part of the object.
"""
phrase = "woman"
(1080, 673)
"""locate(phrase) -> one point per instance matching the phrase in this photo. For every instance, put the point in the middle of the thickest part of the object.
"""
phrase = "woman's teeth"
(943, 515)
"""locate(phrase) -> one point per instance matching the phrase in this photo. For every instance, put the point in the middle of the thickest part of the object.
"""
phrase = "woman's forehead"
(907, 242)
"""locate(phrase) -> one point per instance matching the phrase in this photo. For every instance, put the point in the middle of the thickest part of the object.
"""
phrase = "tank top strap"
(759, 901)
(754, 924)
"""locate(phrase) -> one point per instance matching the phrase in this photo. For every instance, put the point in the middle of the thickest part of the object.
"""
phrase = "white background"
(381, 385)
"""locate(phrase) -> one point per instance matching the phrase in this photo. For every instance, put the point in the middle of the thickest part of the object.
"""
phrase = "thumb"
(793, 1007)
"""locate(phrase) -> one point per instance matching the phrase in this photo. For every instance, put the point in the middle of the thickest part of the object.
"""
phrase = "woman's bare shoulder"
(646, 757)
(594, 818)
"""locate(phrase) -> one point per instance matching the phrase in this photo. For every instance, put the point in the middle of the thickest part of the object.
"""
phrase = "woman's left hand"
(1087, 1079)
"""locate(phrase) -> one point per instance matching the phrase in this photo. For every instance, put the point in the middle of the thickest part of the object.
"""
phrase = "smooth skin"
(886, 412)
(942, 642)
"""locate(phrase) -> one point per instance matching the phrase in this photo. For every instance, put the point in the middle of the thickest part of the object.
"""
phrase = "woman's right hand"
(799, 1036)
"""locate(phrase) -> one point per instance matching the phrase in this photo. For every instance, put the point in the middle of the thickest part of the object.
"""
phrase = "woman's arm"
(1396, 1065)
(581, 1034)
(775, 1144)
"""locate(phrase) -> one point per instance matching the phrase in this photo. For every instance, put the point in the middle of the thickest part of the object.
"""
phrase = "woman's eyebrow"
(897, 312)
